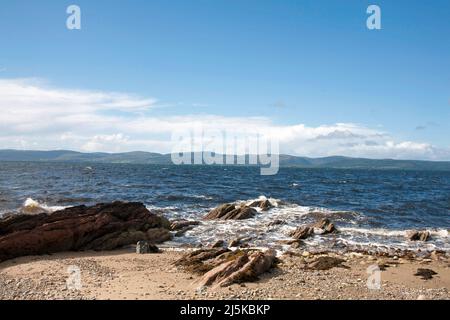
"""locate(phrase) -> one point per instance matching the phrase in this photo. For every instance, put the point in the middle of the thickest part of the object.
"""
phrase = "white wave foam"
(441, 233)
(31, 207)
(273, 201)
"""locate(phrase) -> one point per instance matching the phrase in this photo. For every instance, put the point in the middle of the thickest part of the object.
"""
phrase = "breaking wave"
(32, 207)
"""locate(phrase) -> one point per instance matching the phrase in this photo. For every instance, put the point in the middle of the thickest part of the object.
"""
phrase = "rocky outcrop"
(323, 226)
(244, 268)
(100, 227)
(418, 235)
(231, 212)
(221, 267)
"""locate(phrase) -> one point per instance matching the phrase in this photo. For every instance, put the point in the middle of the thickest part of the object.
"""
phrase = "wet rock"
(182, 224)
(100, 227)
(418, 235)
(181, 232)
(326, 263)
(263, 204)
(231, 212)
(425, 274)
(323, 226)
(143, 247)
(302, 232)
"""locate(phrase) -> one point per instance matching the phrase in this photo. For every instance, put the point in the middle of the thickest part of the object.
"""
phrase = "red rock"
(100, 227)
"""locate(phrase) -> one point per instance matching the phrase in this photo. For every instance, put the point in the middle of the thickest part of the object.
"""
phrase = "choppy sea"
(373, 209)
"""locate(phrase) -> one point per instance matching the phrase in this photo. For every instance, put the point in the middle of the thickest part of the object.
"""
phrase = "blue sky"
(288, 63)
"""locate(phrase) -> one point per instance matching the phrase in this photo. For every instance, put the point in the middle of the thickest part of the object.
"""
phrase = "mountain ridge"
(142, 157)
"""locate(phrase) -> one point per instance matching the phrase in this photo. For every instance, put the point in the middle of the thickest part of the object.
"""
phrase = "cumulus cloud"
(37, 116)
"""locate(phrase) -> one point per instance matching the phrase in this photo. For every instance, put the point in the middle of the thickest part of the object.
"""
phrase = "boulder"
(418, 235)
(231, 212)
(143, 247)
(100, 227)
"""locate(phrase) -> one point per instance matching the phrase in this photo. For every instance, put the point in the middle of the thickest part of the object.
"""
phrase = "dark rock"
(425, 274)
(418, 235)
(218, 244)
(144, 247)
(235, 242)
(231, 212)
(100, 227)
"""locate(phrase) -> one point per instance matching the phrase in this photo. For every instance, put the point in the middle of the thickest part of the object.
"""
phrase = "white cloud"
(37, 116)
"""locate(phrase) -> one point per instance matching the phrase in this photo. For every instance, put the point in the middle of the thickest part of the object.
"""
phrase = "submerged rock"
(418, 235)
(231, 212)
(100, 227)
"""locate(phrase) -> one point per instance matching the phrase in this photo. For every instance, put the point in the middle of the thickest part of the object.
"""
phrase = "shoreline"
(123, 274)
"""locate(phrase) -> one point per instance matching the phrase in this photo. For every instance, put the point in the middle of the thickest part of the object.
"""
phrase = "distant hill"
(140, 157)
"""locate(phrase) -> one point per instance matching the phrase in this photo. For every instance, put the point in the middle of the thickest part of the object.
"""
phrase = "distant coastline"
(141, 157)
